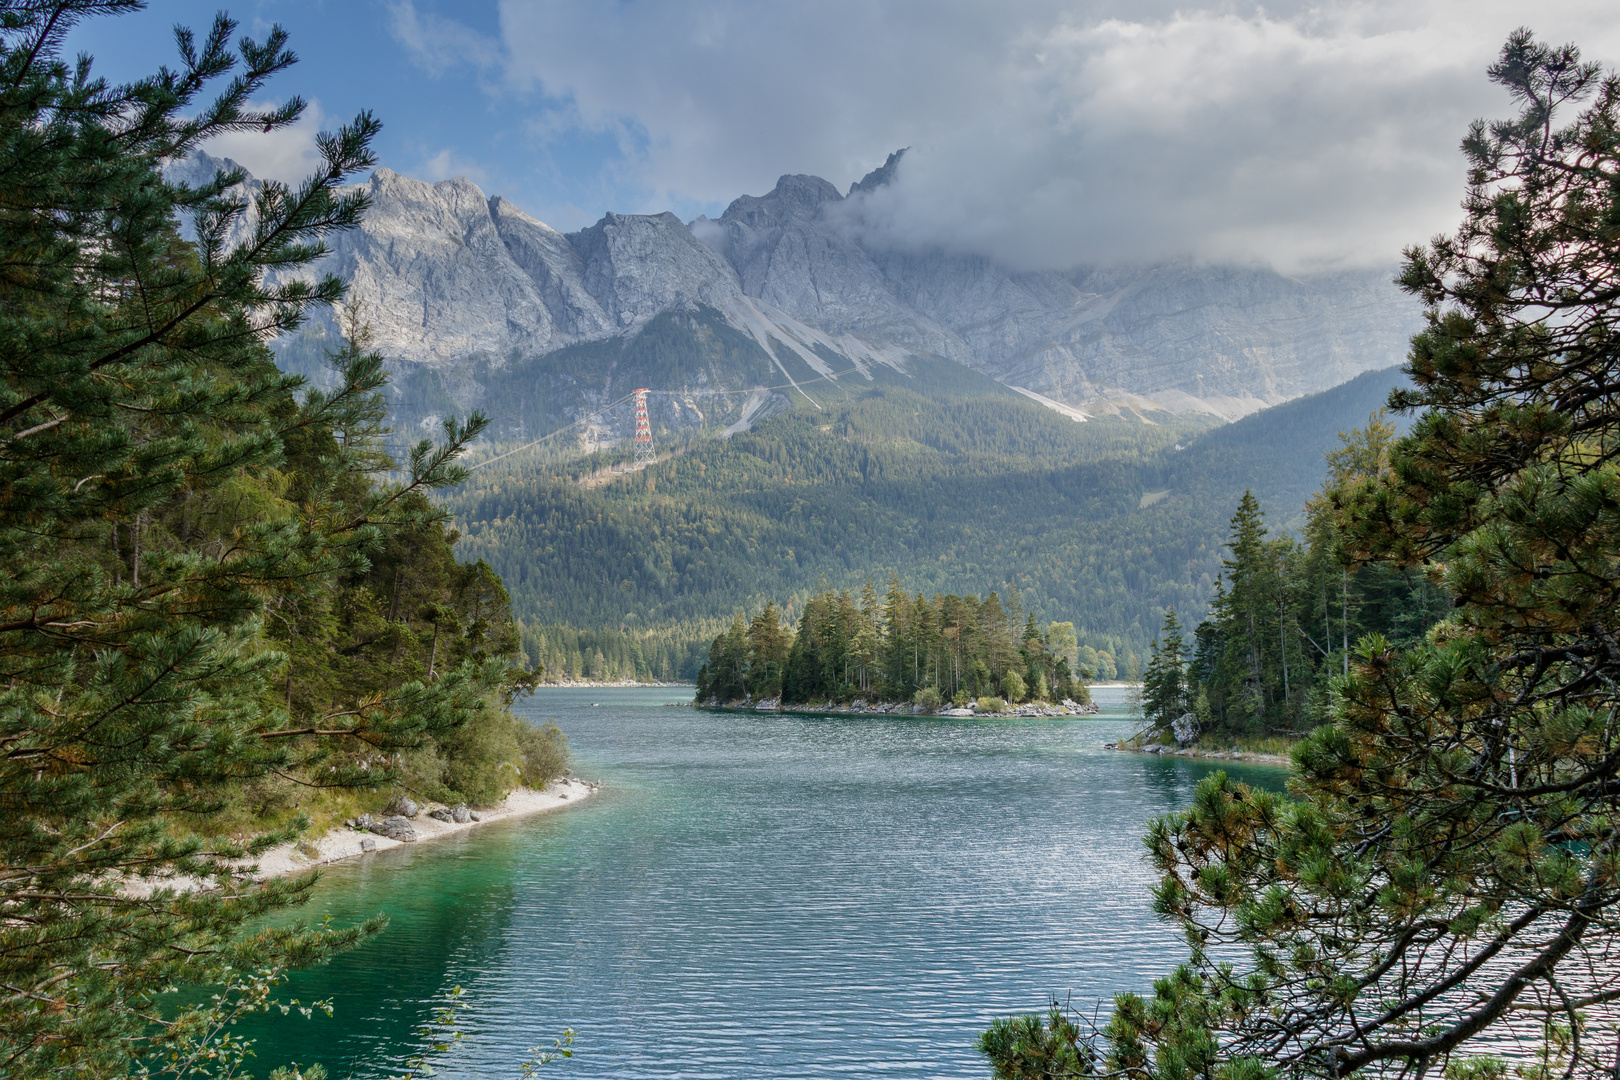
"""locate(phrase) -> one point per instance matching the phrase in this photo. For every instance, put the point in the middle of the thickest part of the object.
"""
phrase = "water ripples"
(781, 896)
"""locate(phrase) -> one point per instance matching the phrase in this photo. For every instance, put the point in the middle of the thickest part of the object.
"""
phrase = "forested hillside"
(944, 477)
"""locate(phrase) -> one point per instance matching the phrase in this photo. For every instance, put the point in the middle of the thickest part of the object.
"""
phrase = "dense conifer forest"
(1286, 613)
(955, 483)
(893, 648)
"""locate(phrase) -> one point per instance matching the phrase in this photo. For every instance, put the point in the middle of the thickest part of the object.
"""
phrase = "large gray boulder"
(395, 828)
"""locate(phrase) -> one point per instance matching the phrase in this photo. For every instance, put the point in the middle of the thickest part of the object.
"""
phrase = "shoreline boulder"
(396, 828)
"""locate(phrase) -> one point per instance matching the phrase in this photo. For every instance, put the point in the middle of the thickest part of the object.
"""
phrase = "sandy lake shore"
(342, 843)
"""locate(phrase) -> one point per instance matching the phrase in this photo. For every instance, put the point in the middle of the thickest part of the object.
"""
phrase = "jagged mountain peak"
(199, 168)
(638, 265)
(452, 279)
(881, 176)
(501, 207)
(795, 197)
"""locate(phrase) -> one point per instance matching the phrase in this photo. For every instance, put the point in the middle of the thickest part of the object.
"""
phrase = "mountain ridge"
(455, 282)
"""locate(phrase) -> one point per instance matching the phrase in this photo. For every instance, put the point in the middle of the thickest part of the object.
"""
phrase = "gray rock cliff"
(452, 280)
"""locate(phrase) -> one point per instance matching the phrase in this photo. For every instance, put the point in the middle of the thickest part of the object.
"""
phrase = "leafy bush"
(544, 753)
(928, 700)
(1012, 686)
(992, 705)
(481, 758)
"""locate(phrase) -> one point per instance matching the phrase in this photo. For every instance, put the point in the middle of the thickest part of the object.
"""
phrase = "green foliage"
(943, 476)
(1012, 685)
(194, 551)
(1445, 870)
(928, 700)
(1165, 692)
(200, 1042)
(885, 649)
(610, 654)
(1033, 1047)
(544, 753)
(1285, 614)
(482, 758)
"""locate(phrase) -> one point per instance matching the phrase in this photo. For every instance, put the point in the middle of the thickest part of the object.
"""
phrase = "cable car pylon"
(645, 454)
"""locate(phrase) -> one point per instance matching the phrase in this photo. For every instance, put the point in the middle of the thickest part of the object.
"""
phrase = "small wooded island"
(895, 651)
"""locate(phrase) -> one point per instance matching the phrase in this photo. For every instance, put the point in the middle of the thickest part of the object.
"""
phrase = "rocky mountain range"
(461, 289)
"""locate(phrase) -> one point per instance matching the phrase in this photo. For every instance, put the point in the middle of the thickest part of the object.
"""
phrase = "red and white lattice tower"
(644, 443)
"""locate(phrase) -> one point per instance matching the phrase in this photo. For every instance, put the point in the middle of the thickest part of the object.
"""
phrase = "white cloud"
(447, 165)
(1301, 142)
(437, 44)
(287, 154)
(1043, 132)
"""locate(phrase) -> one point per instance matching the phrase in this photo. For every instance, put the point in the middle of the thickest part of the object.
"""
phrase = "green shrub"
(422, 769)
(544, 750)
(928, 700)
(481, 758)
(1012, 686)
(992, 705)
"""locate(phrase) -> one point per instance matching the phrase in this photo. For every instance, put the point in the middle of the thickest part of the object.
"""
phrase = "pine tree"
(768, 643)
(147, 545)
(1164, 684)
(901, 652)
(1443, 876)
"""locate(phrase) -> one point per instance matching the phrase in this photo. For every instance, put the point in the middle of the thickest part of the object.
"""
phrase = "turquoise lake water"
(760, 896)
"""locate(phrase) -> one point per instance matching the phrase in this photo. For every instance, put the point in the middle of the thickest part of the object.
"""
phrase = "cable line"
(566, 427)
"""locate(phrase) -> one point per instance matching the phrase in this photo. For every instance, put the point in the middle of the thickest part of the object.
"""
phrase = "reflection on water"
(784, 896)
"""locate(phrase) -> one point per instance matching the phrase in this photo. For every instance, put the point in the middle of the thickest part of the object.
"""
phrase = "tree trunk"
(135, 550)
(1345, 624)
(393, 601)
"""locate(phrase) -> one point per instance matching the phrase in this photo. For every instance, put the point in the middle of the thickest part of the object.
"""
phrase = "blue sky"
(437, 122)
(1043, 133)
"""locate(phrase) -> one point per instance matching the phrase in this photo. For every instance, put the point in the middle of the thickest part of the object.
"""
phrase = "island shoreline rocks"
(1247, 756)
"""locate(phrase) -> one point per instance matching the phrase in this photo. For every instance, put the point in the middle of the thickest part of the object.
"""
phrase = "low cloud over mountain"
(1044, 134)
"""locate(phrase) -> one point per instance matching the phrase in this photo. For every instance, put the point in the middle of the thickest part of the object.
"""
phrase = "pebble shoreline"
(343, 842)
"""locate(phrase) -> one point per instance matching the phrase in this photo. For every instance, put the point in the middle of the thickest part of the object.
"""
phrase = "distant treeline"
(897, 648)
(1286, 615)
(613, 655)
(565, 653)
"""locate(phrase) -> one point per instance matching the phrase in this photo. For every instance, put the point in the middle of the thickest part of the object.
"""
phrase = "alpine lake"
(758, 895)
